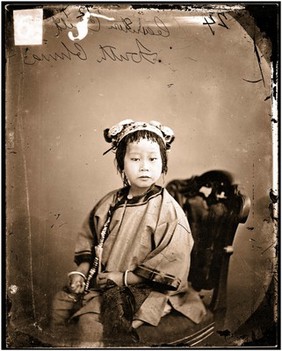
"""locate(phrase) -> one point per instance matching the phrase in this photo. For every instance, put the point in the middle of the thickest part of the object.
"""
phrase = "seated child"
(133, 251)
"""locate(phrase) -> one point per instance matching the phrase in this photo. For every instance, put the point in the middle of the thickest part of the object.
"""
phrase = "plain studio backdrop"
(208, 82)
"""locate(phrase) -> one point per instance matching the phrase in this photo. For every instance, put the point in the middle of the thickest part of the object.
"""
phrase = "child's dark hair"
(136, 136)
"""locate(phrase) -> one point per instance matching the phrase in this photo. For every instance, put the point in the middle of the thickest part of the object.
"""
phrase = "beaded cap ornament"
(116, 133)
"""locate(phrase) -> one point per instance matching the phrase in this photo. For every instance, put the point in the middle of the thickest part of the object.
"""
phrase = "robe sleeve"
(86, 240)
(169, 263)
(88, 236)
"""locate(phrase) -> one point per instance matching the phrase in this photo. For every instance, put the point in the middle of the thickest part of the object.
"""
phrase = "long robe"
(150, 236)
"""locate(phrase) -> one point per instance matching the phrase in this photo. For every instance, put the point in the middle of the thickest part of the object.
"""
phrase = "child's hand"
(102, 278)
(76, 283)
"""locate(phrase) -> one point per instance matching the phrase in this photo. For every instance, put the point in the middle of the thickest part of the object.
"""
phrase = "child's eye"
(153, 158)
(135, 159)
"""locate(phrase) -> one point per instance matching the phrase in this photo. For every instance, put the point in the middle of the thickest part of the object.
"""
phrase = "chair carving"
(214, 207)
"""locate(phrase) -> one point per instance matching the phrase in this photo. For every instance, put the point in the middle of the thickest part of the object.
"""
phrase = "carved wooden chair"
(214, 207)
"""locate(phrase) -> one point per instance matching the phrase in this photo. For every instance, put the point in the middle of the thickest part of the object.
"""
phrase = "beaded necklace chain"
(98, 251)
(96, 267)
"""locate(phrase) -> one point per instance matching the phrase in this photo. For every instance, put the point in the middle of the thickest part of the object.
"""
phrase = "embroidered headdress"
(116, 133)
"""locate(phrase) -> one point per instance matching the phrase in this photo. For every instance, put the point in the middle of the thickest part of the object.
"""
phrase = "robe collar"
(122, 196)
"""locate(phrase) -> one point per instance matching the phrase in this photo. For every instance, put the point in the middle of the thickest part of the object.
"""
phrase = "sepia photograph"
(141, 175)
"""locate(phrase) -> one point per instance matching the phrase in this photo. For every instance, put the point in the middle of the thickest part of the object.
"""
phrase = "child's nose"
(144, 165)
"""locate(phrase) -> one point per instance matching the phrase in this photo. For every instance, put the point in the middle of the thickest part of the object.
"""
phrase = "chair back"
(214, 207)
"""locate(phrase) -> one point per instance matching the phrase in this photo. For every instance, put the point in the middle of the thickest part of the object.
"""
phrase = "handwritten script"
(95, 22)
(68, 51)
(212, 21)
(141, 53)
(66, 24)
(126, 25)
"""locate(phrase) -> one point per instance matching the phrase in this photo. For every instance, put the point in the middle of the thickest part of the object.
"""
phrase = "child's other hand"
(76, 283)
(102, 278)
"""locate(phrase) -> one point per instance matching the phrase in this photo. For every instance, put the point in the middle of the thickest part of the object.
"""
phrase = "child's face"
(142, 164)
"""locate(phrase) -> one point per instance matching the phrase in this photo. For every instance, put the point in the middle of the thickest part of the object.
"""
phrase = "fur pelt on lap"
(117, 311)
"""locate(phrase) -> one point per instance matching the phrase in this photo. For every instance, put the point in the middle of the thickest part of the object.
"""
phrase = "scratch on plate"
(26, 185)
